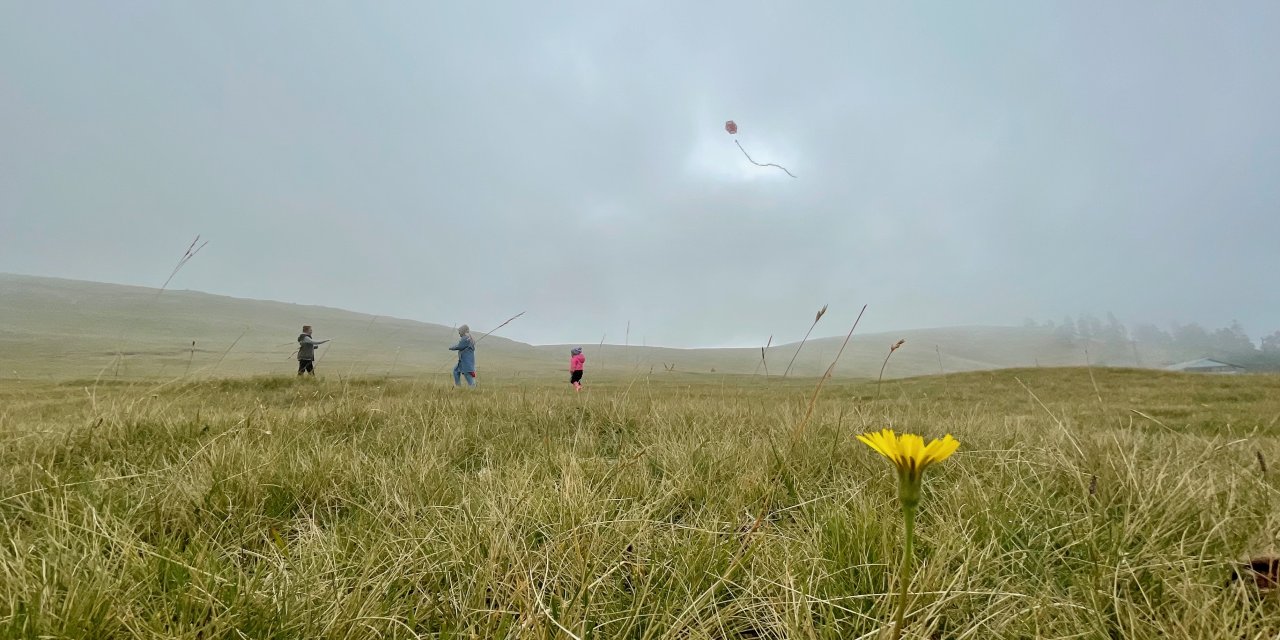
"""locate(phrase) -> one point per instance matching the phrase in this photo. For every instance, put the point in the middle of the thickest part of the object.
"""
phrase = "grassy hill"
(54, 328)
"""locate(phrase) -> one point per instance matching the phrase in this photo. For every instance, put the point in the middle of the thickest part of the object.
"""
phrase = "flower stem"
(904, 572)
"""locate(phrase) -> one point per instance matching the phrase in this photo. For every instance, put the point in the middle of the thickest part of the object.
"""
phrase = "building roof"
(1202, 363)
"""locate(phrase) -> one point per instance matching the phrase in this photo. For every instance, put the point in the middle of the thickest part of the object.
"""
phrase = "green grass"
(362, 508)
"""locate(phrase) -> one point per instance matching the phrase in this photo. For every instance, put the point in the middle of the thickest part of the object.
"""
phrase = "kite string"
(767, 164)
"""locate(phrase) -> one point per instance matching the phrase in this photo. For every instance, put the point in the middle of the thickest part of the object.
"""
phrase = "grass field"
(1079, 506)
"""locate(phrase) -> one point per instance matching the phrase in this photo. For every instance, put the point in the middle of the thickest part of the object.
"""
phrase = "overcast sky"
(957, 163)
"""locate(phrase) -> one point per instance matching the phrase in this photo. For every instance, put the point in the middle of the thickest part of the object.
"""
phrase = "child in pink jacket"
(576, 361)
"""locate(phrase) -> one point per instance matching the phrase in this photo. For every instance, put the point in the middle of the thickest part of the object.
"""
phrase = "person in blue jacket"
(466, 366)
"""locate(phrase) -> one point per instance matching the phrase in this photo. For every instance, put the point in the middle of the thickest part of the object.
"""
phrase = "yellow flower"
(911, 456)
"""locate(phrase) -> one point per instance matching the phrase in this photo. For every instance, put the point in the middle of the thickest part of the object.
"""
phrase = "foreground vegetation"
(1110, 503)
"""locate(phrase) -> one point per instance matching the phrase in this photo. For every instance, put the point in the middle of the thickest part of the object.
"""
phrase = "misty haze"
(639, 320)
(956, 166)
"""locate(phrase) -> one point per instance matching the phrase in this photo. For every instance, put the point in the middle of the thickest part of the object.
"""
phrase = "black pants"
(575, 377)
(307, 366)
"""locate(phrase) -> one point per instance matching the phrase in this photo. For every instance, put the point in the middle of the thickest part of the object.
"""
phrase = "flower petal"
(883, 442)
(940, 450)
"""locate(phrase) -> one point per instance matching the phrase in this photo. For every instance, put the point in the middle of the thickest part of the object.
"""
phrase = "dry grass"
(273, 508)
(816, 318)
(892, 348)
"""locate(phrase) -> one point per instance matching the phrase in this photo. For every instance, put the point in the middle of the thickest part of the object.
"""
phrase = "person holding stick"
(307, 351)
(466, 366)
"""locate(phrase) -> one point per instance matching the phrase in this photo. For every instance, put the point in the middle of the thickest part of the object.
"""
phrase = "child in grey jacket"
(307, 351)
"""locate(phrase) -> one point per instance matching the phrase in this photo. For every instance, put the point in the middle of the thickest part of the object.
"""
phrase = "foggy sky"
(958, 163)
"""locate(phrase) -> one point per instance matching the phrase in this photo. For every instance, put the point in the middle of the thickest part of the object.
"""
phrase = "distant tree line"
(1111, 342)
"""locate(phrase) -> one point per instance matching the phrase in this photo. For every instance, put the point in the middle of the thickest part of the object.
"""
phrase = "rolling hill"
(60, 329)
